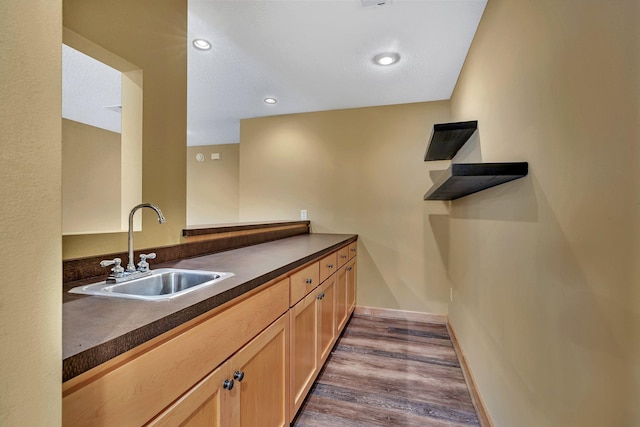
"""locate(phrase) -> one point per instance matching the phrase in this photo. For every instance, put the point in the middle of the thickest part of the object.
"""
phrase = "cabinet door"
(259, 370)
(341, 299)
(202, 406)
(303, 349)
(326, 296)
(351, 284)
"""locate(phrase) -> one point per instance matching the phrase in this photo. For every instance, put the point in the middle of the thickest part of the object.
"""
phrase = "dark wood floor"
(385, 372)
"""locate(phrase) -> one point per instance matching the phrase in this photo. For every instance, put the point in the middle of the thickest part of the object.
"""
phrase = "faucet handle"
(143, 265)
(117, 270)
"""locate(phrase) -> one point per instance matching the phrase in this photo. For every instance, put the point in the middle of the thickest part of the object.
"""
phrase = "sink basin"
(162, 284)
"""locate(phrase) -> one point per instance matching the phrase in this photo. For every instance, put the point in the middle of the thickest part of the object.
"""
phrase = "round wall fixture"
(387, 58)
(200, 157)
(201, 44)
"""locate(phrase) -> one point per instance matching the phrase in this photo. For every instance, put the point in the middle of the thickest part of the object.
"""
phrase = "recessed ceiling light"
(270, 100)
(387, 58)
(201, 44)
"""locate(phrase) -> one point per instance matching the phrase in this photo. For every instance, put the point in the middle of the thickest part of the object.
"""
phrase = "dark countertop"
(197, 230)
(96, 329)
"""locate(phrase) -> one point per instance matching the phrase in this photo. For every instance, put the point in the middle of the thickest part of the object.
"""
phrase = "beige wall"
(545, 269)
(151, 34)
(356, 171)
(90, 178)
(30, 226)
(212, 185)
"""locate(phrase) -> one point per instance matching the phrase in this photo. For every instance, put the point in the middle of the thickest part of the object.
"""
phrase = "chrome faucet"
(131, 266)
(118, 273)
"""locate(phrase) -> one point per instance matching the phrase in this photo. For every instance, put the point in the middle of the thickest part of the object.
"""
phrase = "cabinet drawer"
(353, 249)
(132, 393)
(328, 266)
(343, 256)
(303, 282)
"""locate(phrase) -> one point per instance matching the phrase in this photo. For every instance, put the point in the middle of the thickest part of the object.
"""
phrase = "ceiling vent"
(368, 3)
(116, 108)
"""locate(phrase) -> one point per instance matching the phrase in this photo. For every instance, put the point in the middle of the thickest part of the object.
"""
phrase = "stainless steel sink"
(162, 284)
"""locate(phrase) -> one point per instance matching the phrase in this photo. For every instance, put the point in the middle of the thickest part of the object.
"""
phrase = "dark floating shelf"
(462, 179)
(447, 138)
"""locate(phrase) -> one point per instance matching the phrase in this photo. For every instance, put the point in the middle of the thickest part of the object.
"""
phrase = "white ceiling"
(315, 55)
(89, 88)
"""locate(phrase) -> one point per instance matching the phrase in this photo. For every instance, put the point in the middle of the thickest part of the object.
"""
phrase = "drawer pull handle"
(321, 295)
(227, 384)
(343, 256)
(309, 281)
(353, 250)
(330, 265)
(349, 268)
(238, 375)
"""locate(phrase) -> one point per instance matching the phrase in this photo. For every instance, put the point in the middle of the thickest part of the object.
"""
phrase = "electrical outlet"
(303, 214)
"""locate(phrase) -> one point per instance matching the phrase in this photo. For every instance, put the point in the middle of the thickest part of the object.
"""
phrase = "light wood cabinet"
(328, 266)
(346, 286)
(260, 372)
(313, 334)
(247, 390)
(351, 284)
(303, 349)
(270, 344)
(345, 293)
(304, 281)
(353, 249)
(326, 297)
(206, 404)
(136, 386)
(343, 256)
(342, 309)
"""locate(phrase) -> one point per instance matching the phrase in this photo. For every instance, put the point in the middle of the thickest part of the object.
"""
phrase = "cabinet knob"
(238, 375)
(349, 268)
(330, 265)
(227, 384)
(353, 250)
(309, 281)
(343, 256)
